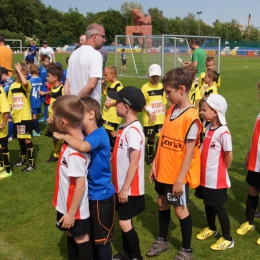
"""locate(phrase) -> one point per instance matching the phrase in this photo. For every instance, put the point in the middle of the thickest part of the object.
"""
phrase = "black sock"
(126, 247)
(211, 217)
(133, 242)
(85, 251)
(6, 159)
(149, 147)
(251, 204)
(112, 140)
(186, 231)
(224, 221)
(22, 150)
(36, 125)
(30, 150)
(104, 252)
(72, 246)
(164, 222)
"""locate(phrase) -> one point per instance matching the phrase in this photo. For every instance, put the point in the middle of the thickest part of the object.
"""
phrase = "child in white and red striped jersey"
(216, 157)
(71, 188)
(128, 168)
(253, 178)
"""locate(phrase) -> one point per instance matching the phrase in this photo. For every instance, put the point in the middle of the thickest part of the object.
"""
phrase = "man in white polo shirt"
(45, 49)
(85, 65)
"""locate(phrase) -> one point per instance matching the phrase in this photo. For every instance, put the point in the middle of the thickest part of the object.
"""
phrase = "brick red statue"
(142, 27)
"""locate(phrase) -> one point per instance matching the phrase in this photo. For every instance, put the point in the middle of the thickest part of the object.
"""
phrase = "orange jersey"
(171, 148)
(254, 160)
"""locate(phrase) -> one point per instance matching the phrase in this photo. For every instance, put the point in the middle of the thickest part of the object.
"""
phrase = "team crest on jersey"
(64, 162)
(213, 145)
(121, 143)
(172, 144)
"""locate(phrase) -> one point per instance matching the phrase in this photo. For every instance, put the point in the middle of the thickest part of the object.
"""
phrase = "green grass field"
(27, 226)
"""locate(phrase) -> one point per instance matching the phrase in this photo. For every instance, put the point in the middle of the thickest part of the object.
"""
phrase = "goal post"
(15, 44)
(169, 51)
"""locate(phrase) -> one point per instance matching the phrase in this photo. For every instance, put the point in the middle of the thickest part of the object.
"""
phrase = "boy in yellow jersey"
(5, 170)
(54, 76)
(176, 166)
(194, 94)
(210, 65)
(111, 120)
(19, 101)
(210, 80)
(154, 111)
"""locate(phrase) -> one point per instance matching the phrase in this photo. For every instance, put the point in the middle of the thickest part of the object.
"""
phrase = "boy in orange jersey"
(253, 179)
(177, 162)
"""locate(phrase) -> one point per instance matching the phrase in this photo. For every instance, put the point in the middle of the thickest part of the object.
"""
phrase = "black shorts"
(81, 226)
(123, 62)
(152, 131)
(4, 142)
(211, 197)
(166, 190)
(102, 216)
(23, 130)
(110, 126)
(253, 179)
(132, 208)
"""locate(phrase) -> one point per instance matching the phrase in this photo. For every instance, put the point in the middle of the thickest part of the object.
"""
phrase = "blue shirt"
(35, 97)
(43, 74)
(7, 84)
(100, 186)
(33, 51)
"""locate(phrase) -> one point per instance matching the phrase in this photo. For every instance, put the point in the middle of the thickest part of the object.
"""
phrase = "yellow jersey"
(4, 108)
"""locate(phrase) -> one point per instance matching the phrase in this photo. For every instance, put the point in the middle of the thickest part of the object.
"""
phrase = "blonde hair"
(111, 69)
(69, 107)
(24, 67)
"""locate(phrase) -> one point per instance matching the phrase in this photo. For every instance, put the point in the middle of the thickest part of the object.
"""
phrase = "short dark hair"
(2, 39)
(4, 70)
(194, 41)
(213, 75)
(177, 77)
(44, 56)
(56, 71)
(92, 104)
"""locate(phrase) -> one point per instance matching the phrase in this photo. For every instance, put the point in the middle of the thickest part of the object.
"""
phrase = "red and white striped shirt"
(214, 173)
(130, 136)
(254, 154)
(71, 164)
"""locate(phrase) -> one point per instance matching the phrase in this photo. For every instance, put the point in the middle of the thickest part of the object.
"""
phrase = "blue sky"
(224, 10)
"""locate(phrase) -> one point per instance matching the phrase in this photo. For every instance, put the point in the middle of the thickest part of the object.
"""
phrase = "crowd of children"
(193, 150)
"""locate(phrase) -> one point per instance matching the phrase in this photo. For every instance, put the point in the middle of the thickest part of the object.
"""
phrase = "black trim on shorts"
(132, 208)
(28, 129)
(102, 217)
(211, 197)
(107, 123)
(253, 179)
(81, 226)
(151, 131)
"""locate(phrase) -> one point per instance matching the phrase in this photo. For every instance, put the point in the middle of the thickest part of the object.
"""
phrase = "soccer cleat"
(158, 247)
(149, 160)
(52, 159)
(222, 244)
(29, 168)
(257, 214)
(244, 228)
(122, 255)
(41, 120)
(20, 163)
(4, 174)
(206, 233)
(34, 133)
(184, 255)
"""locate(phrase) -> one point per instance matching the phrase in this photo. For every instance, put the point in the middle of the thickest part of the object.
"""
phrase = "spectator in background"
(45, 49)
(103, 52)
(32, 51)
(84, 75)
(82, 41)
(198, 57)
(6, 56)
